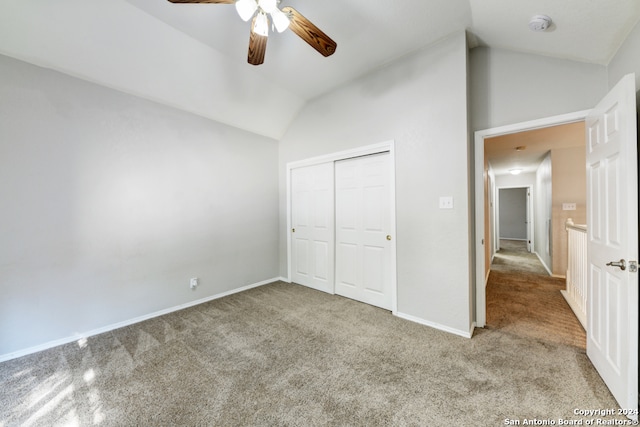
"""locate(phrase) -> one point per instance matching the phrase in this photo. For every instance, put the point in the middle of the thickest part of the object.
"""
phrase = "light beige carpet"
(522, 299)
(286, 355)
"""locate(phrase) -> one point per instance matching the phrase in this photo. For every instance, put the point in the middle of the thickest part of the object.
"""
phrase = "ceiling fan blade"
(309, 32)
(257, 46)
(204, 1)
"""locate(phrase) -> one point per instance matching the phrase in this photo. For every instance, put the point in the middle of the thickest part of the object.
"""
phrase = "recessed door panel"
(596, 290)
(321, 267)
(301, 251)
(612, 205)
(373, 209)
(596, 205)
(373, 280)
(346, 274)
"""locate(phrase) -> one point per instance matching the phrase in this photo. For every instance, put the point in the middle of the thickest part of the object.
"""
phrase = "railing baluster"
(576, 292)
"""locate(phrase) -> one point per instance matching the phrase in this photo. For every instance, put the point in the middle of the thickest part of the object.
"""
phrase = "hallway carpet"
(523, 300)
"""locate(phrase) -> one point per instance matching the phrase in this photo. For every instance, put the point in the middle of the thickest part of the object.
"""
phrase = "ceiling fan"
(263, 11)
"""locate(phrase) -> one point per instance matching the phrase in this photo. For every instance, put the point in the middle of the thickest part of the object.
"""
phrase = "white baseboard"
(574, 307)
(544, 264)
(465, 334)
(76, 337)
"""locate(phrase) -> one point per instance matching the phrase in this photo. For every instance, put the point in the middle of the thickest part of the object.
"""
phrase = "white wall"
(542, 209)
(110, 203)
(521, 180)
(627, 61)
(569, 185)
(420, 102)
(510, 87)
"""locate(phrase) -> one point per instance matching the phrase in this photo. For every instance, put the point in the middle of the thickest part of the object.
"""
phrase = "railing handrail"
(569, 225)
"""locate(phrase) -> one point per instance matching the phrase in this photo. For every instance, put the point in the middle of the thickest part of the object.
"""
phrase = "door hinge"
(633, 267)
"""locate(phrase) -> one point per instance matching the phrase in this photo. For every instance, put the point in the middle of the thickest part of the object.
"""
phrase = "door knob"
(622, 264)
(388, 236)
(293, 230)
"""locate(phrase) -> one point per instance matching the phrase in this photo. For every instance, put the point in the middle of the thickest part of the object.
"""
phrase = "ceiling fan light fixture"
(258, 12)
(261, 27)
(246, 8)
(280, 20)
(268, 5)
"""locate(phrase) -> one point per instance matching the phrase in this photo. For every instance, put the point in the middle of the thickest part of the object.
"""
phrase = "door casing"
(481, 308)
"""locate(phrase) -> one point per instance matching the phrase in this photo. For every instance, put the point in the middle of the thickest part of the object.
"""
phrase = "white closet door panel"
(363, 221)
(312, 226)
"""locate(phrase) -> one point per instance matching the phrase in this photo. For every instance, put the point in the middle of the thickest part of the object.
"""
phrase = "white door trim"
(481, 308)
(386, 146)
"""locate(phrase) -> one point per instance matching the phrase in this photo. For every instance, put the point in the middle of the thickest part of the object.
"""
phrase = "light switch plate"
(446, 202)
(568, 206)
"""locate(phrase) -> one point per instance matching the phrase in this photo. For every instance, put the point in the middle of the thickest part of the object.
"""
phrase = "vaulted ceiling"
(194, 57)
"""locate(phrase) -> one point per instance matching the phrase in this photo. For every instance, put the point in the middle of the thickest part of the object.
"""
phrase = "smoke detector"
(539, 23)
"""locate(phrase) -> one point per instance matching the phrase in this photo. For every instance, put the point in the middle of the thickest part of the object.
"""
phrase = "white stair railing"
(576, 292)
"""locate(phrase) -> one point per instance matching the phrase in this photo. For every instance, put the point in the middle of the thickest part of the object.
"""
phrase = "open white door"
(612, 233)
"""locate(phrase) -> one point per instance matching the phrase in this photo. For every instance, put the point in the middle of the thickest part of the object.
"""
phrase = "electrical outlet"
(568, 206)
(193, 283)
(446, 202)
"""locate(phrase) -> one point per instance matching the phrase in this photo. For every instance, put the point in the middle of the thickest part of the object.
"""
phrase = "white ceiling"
(193, 56)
